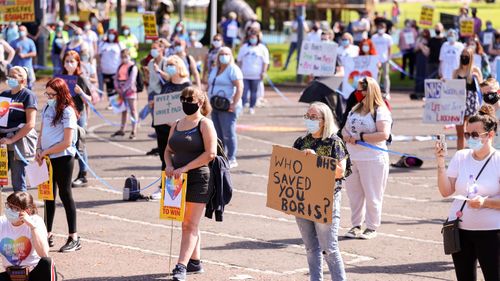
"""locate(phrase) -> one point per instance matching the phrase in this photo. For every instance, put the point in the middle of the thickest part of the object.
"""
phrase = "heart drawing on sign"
(355, 76)
(15, 251)
(173, 186)
(4, 108)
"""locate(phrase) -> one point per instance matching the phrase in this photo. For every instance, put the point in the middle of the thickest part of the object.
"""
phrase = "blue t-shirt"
(223, 84)
(27, 46)
(24, 99)
(52, 135)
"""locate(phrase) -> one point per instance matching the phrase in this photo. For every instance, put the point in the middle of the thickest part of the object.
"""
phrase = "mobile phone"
(442, 141)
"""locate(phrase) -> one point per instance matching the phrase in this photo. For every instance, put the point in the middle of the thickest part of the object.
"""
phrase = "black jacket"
(220, 181)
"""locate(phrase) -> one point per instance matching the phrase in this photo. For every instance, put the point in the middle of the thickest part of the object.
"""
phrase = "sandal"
(118, 133)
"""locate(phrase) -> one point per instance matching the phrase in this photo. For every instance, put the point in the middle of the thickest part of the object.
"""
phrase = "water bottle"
(471, 187)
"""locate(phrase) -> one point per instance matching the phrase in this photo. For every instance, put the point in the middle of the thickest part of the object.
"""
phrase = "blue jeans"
(253, 87)
(18, 176)
(82, 122)
(321, 240)
(291, 50)
(225, 126)
(57, 64)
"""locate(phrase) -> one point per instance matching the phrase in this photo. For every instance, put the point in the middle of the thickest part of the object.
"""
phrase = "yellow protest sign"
(149, 21)
(84, 14)
(4, 166)
(467, 27)
(173, 197)
(301, 185)
(17, 10)
(426, 15)
(45, 190)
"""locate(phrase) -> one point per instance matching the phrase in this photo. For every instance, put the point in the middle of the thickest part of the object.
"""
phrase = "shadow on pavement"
(403, 268)
(271, 244)
(124, 278)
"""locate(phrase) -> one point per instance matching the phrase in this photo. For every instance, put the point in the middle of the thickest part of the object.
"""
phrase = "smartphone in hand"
(442, 143)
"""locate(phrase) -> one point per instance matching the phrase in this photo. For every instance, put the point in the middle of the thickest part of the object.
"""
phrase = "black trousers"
(409, 60)
(45, 270)
(482, 246)
(108, 79)
(62, 168)
(162, 132)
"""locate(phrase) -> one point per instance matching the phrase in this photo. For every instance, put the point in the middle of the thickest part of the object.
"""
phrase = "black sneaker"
(50, 239)
(179, 272)
(154, 151)
(80, 181)
(71, 245)
(194, 267)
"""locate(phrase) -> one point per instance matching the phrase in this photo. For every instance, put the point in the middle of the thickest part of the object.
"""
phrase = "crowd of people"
(105, 61)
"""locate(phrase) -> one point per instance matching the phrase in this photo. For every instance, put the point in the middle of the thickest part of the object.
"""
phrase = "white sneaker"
(156, 195)
(252, 111)
(368, 234)
(233, 164)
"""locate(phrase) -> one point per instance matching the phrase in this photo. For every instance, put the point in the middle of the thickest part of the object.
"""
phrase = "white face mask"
(312, 126)
(11, 215)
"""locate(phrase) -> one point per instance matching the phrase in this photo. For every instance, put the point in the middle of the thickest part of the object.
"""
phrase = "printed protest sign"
(301, 185)
(426, 15)
(167, 108)
(444, 101)
(467, 27)
(448, 20)
(4, 166)
(357, 68)
(173, 197)
(45, 190)
(71, 81)
(17, 11)
(317, 58)
(4, 111)
(149, 21)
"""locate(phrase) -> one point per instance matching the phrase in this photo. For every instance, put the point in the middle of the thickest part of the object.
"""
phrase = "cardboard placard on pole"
(301, 185)
(167, 108)
(444, 101)
(426, 15)
(17, 11)
(150, 29)
(4, 166)
(173, 197)
(467, 27)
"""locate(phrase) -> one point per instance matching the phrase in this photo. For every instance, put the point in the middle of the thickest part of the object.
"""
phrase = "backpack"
(389, 139)
(139, 81)
(132, 189)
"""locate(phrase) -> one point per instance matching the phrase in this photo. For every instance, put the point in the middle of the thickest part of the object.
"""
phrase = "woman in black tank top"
(192, 144)
(471, 73)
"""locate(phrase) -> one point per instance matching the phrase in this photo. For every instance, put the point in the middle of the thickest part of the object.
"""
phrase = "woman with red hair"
(57, 140)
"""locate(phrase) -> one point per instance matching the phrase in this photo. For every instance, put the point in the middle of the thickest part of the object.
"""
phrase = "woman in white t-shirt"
(368, 123)
(253, 60)
(24, 239)
(109, 59)
(479, 225)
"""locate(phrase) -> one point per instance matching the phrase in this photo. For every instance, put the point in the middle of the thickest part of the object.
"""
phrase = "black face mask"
(190, 108)
(491, 98)
(437, 32)
(464, 60)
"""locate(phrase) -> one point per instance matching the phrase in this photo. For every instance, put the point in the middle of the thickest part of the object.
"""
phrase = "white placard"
(318, 58)
(37, 174)
(488, 38)
(409, 38)
(357, 68)
(167, 108)
(444, 101)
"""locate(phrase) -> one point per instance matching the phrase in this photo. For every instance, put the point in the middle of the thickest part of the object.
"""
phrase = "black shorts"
(198, 190)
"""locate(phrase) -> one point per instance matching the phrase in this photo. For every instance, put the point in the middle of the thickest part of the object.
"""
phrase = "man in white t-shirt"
(449, 55)
(383, 44)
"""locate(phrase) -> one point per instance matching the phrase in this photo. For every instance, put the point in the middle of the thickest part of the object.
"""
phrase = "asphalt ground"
(127, 240)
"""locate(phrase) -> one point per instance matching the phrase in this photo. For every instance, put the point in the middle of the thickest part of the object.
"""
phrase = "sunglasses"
(312, 117)
(474, 135)
(186, 99)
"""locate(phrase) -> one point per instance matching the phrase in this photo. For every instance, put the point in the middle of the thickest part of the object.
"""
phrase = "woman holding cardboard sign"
(57, 141)
(191, 146)
(320, 238)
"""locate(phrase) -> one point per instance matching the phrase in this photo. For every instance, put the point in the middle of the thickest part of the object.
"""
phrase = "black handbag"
(218, 102)
(450, 230)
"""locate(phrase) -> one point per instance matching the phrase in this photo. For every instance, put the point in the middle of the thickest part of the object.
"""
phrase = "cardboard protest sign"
(4, 111)
(444, 101)
(198, 53)
(173, 197)
(17, 11)
(467, 27)
(301, 185)
(4, 166)
(45, 190)
(426, 15)
(357, 68)
(448, 20)
(150, 30)
(71, 81)
(167, 108)
(317, 58)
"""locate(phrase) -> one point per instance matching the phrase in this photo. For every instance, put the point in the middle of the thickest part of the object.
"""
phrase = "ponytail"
(206, 108)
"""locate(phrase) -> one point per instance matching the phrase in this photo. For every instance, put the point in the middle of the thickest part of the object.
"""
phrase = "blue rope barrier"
(21, 157)
(374, 147)
(277, 90)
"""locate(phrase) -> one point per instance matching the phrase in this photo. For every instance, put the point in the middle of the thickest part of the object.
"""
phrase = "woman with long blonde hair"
(473, 77)
(368, 122)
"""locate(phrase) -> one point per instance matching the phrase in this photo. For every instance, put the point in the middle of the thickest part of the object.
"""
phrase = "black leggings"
(478, 245)
(162, 132)
(62, 168)
(108, 79)
(45, 270)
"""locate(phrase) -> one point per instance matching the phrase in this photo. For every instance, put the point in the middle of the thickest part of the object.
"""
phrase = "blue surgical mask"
(22, 34)
(12, 83)
(11, 215)
(51, 102)
(217, 43)
(253, 41)
(224, 59)
(87, 27)
(312, 126)
(77, 37)
(111, 37)
(178, 28)
(155, 53)
(171, 70)
(178, 49)
(126, 32)
(84, 58)
(451, 39)
(345, 42)
(474, 144)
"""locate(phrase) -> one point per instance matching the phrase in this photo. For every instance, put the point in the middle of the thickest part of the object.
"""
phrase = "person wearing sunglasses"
(58, 135)
(369, 122)
(322, 140)
(192, 144)
(22, 223)
(479, 226)
(19, 130)
(491, 95)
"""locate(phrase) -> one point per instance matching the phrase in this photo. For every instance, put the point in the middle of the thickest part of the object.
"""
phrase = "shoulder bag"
(450, 230)
(219, 103)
